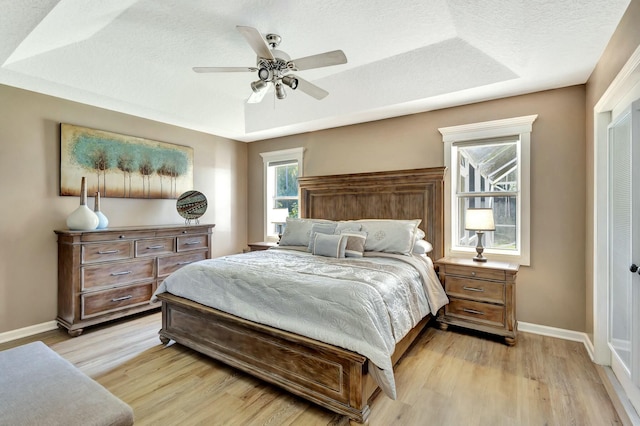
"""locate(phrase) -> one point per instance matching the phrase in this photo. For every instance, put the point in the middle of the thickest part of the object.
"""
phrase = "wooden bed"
(330, 376)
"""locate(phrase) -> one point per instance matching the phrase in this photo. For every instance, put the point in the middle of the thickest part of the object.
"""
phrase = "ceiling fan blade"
(224, 69)
(311, 89)
(256, 97)
(256, 41)
(327, 59)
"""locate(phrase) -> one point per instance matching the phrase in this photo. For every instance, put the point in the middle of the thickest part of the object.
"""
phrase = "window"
(489, 168)
(282, 198)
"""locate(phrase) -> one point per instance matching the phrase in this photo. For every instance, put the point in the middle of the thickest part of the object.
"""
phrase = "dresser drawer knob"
(121, 236)
(115, 274)
(108, 251)
(472, 311)
(184, 232)
(155, 247)
(479, 290)
(120, 299)
(473, 273)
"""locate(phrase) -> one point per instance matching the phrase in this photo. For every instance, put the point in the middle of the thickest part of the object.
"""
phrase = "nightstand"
(482, 296)
(262, 245)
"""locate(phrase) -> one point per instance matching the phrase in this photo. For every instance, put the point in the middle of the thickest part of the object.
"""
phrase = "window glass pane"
(287, 180)
(504, 216)
(488, 167)
(290, 204)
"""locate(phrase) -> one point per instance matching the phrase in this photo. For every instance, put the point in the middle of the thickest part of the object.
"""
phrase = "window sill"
(520, 259)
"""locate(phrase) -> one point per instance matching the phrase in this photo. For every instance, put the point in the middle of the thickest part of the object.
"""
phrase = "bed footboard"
(327, 375)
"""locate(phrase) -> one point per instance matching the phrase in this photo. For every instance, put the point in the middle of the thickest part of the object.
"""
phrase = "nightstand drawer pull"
(159, 246)
(479, 290)
(115, 274)
(120, 299)
(108, 251)
(190, 243)
(472, 311)
(473, 273)
(184, 263)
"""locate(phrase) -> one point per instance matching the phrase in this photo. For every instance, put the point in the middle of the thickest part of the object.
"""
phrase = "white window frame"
(520, 126)
(292, 154)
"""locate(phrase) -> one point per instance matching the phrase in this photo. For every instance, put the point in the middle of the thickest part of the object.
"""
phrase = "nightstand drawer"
(482, 291)
(476, 311)
(487, 274)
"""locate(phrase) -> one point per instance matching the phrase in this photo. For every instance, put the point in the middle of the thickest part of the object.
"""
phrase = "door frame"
(620, 91)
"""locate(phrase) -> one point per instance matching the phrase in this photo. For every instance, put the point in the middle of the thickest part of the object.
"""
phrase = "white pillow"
(390, 236)
(422, 247)
(297, 232)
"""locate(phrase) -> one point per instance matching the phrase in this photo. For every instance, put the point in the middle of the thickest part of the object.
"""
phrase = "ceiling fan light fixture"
(265, 74)
(280, 93)
(258, 86)
(290, 81)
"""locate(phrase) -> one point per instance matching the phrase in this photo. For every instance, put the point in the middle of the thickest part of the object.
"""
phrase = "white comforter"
(364, 305)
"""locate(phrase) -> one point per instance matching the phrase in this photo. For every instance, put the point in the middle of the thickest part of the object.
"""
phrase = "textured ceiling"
(404, 56)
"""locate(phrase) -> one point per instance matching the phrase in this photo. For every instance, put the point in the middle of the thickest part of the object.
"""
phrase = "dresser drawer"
(102, 302)
(192, 243)
(169, 264)
(116, 235)
(155, 246)
(476, 311)
(117, 273)
(488, 274)
(483, 291)
(102, 252)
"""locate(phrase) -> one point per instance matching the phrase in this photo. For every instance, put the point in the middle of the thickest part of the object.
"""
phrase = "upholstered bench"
(39, 387)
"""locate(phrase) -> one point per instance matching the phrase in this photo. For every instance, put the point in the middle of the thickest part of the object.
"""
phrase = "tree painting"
(122, 166)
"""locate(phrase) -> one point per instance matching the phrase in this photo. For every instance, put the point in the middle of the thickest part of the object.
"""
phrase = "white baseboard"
(28, 331)
(560, 333)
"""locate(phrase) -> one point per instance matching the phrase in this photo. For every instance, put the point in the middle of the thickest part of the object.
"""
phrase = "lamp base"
(479, 248)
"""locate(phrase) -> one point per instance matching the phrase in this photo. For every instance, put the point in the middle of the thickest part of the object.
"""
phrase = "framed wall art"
(120, 166)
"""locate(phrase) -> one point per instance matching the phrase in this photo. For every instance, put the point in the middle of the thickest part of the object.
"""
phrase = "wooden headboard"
(401, 194)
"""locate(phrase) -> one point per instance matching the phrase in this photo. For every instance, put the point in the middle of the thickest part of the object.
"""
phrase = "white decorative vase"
(103, 222)
(82, 218)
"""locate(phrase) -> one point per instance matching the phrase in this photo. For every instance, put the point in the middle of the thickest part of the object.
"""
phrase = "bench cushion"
(39, 387)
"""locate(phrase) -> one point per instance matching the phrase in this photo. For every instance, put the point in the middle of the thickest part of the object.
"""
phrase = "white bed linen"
(365, 305)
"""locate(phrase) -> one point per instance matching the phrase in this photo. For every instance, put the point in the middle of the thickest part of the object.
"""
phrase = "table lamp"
(279, 219)
(479, 220)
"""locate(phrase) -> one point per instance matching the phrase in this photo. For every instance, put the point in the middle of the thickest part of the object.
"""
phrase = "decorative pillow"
(390, 236)
(296, 232)
(422, 247)
(320, 228)
(355, 243)
(329, 245)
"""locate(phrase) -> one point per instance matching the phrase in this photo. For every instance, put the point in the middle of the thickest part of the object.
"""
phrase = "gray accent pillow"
(355, 243)
(390, 236)
(329, 245)
(296, 232)
(321, 228)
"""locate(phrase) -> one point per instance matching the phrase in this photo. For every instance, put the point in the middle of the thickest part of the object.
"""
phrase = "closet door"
(624, 250)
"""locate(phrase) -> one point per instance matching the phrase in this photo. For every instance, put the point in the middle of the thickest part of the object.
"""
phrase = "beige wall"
(624, 42)
(550, 292)
(31, 208)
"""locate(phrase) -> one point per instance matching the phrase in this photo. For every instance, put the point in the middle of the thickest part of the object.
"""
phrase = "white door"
(624, 250)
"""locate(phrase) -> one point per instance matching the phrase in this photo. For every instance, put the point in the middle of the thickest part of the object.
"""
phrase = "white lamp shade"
(479, 220)
(279, 215)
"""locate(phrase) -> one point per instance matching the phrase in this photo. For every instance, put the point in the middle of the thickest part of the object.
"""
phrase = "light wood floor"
(447, 378)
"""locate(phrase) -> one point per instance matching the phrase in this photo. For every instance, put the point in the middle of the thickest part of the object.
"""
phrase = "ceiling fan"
(273, 67)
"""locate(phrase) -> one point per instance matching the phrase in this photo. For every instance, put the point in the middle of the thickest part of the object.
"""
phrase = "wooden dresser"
(482, 296)
(110, 273)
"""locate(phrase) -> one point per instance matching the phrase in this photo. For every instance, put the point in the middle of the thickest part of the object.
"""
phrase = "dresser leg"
(510, 341)
(164, 340)
(444, 326)
(76, 332)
